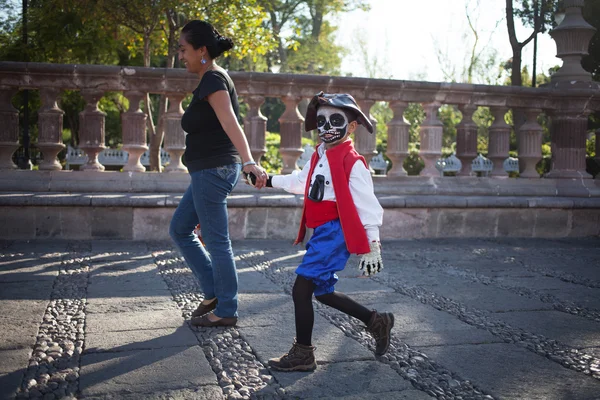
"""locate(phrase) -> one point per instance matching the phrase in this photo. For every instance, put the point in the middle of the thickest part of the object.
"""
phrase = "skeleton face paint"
(332, 124)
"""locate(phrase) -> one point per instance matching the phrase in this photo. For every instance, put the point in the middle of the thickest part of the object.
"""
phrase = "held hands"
(255, 175)
(371, 263)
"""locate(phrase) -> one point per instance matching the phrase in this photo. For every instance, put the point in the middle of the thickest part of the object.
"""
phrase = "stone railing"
(567, 101)
(567, 104)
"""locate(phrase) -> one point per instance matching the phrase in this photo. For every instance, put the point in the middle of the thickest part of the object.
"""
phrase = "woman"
(216, 151)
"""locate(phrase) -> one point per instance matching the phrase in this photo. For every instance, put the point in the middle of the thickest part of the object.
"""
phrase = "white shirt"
(361, 189)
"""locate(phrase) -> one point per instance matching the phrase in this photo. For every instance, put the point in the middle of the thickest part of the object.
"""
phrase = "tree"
(310, 36)
(480, 60)
(591, 62)
(536, 14)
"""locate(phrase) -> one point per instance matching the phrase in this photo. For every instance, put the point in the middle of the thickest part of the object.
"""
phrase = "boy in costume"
(341, 207)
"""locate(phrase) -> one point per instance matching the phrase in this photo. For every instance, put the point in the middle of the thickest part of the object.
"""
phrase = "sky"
(402, 38)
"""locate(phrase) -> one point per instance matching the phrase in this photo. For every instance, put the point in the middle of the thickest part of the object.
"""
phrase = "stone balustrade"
(567, 106)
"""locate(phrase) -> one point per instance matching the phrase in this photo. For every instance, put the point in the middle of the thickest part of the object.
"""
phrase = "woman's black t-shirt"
(207, 144)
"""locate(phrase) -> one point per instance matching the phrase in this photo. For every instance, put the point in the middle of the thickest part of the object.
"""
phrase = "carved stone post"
(499, 142)
(365, 142)
(255, 127)
(50, 122)
(134, 132)
(572, 38)
(174, 134)
(431, 139)
(9, 128)
(91, 129)
(569, 121)
(292, 125)
(466, 138)
(597, 158)
(568, 130)
(398, 138)
(530, 144)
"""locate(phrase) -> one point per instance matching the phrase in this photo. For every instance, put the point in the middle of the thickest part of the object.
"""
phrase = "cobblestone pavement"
(475, 319)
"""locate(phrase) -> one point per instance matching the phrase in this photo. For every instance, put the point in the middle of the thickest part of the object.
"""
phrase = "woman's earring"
(203, 61)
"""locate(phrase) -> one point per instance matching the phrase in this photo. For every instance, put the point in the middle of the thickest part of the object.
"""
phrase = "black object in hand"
(252, 178)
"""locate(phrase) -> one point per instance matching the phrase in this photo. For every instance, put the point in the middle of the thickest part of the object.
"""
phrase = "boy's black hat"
(340, 100)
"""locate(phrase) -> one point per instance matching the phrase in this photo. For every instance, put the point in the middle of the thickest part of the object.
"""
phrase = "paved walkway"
(475, 319)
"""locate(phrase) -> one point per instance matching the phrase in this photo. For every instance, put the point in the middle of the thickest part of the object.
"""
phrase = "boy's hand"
(371, 263)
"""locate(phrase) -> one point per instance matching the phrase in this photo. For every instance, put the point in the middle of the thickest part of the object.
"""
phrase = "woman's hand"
(259, 172)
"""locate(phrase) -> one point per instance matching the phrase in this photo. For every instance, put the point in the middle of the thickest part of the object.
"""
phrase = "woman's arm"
(221, 104)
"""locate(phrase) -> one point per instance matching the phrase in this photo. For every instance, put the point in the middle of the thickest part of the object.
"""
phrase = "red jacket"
(341, 160)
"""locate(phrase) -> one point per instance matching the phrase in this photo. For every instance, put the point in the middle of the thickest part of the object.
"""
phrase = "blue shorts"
(326, 253)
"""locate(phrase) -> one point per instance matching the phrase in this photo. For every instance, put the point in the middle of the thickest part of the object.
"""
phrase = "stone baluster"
(291, 127)
(255, 127)
(50, 122)
(91, 129)
(365, 142)
(569, 120)
(9, 128)
(572, 38)
(597, 158)
(398, 138)
(174, 133)
(499, 141)
(431, 139)
(530, 144)
(466, 138)
(133, 123)
(568, 131)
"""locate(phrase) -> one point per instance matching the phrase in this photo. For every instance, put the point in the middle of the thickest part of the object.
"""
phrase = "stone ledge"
(281, 199)
(21, 181)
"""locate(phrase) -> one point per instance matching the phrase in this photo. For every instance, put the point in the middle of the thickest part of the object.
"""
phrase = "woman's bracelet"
(248, 163)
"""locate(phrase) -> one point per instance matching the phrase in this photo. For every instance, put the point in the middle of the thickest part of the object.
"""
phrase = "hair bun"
(225, 43)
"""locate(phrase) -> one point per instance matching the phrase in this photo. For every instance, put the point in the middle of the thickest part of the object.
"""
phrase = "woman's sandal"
(204, 308)
(205, 321)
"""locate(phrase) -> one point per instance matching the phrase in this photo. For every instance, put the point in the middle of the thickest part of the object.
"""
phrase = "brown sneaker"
(380, 326)
(204, 308)
(299, 358)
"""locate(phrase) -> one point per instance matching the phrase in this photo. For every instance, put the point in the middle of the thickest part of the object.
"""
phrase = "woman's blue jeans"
(205, 202)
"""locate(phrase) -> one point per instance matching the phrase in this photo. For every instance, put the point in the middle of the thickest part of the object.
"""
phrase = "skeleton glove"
(371, 263)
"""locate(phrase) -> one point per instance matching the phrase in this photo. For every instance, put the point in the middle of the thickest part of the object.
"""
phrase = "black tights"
(302, 294)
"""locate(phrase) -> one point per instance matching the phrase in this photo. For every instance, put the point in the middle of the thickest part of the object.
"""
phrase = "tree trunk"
(281, 51)
(317, 24)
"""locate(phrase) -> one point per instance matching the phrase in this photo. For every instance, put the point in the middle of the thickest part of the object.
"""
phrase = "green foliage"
(113, 104)
(413, 164)
(271, 160)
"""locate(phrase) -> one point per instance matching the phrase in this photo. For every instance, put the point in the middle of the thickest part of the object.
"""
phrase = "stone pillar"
(255, 127)
(291, 127)
(466, 138)
(133, 128)
(50, 123)
(499, 141)
(398, 138)
(365, 142)
(91, 129)
(431, 139)
(572, 39)
(597, 158)
(174, 133)
(9, 128)
(569, 131)
(569, 121)
(530, 144)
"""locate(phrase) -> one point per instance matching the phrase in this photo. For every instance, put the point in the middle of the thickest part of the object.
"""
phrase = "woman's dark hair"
(201, 33)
